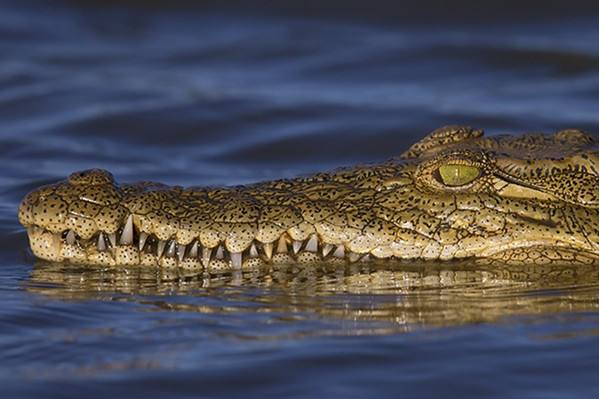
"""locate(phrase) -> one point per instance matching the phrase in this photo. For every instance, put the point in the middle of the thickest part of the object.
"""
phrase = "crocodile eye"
(458, 175)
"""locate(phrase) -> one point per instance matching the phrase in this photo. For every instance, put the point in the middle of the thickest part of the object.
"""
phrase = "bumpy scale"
(532, 199)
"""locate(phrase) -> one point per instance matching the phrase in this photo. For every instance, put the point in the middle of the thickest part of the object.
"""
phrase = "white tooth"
(170, 252)
(326, 249)
(127, 234)
(268, 250)
(312, 244)
(366, 258)
(142, 240)
(181, 251)
(220, 253)
(160, 248)
(193, 251)
(353, 257)
(282, 245)
(101, 243)
(339, 252)
(112, 239)
(297, 245)
(236, 260)
(71, 237)
(253, 251)
(206, 253)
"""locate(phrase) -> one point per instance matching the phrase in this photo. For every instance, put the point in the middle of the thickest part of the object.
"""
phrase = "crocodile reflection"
(378, 298)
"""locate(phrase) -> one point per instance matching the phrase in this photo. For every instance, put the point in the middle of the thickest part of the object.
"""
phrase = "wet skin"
(530, 199)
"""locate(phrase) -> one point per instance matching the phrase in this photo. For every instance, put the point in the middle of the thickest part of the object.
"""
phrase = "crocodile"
(454, 195)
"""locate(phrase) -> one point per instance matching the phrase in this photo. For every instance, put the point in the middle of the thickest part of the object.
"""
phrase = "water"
(207, 95)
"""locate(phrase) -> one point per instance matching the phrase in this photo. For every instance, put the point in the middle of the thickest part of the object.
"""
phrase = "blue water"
(198, 95)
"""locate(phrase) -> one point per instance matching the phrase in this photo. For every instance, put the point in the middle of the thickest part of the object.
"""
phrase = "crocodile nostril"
(91, 177)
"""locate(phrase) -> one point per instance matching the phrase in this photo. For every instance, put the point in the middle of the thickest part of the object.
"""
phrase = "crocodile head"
(453, 195)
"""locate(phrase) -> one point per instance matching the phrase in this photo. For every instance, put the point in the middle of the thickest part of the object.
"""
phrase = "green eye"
(458, 175)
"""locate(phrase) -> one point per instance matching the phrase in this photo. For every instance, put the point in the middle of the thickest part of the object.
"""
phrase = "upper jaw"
(129, 245)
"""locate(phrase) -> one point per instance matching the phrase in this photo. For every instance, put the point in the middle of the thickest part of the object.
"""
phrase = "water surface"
(199, 95)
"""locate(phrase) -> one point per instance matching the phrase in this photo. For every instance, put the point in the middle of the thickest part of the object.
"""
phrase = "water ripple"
(195, 94)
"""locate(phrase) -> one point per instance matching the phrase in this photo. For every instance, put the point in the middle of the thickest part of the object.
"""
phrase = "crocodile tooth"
(353, 257)
(101, 243)
(297, 245)
(71, 237)
(366, 258)
(142, 240)
(282, 245)
(339, 252)
(206, 253)
(193, 251)
(160, 248)
(127, 234)
(112, 239)
(326, 249)
(220, 252)
(236, 259)
(253, 251)
(312, 244)
(181, 251)
(268, 250)
(170, 251)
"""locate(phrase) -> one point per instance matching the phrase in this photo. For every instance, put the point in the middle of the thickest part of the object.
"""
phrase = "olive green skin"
(530, 199)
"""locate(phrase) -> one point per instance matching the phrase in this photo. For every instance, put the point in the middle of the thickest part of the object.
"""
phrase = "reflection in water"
(377, 299)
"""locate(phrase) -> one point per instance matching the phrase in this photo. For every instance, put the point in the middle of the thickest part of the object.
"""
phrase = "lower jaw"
(53, 247)
(50, 246)
(130, 256)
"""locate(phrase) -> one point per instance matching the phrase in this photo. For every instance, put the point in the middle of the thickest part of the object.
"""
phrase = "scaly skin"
(455, 194)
